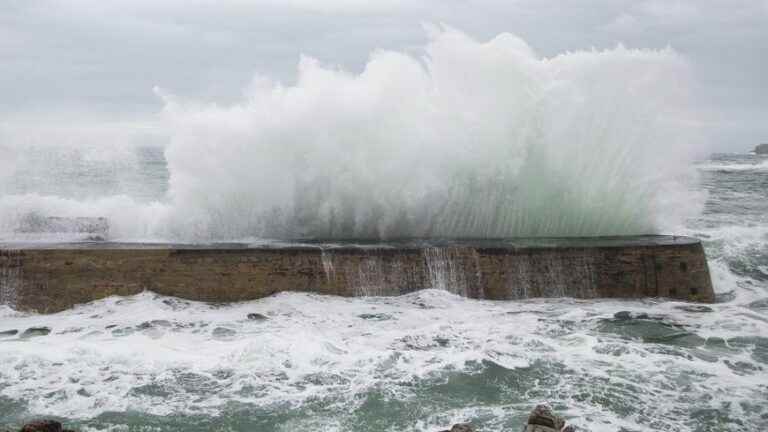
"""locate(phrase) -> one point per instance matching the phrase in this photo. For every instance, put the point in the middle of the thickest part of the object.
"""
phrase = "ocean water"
(418, 362)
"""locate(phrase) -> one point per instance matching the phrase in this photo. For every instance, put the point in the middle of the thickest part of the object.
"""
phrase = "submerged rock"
(627, 315)
(35, 331)
(12, 332)
(257, 317)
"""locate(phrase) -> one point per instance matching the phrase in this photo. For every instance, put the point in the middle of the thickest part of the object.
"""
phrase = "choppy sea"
(418, 362)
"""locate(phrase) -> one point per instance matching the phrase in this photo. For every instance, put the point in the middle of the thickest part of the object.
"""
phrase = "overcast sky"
(94, 62)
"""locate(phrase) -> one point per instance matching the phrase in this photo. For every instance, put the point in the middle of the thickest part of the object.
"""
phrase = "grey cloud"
(105, 57)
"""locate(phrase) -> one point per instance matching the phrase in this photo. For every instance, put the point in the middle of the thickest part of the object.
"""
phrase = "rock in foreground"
(44, 426)
(542, 419)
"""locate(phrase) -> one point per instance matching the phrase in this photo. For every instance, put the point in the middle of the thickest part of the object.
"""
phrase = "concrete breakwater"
(53, 277)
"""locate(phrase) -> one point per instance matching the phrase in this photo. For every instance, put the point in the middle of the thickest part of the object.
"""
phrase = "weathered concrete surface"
(52, 277)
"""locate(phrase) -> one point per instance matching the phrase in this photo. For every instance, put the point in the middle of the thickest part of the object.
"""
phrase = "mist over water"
(469, 140)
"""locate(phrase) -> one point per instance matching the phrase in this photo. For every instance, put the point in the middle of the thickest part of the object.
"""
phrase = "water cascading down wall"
(55, 277)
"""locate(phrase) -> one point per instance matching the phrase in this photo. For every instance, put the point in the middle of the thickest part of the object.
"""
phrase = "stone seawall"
(53, 277)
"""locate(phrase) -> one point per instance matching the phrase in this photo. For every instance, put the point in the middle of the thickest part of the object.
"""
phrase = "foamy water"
(756, 165)
(418, 361)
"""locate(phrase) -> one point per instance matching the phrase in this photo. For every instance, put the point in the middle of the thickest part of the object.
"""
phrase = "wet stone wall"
(55, 277)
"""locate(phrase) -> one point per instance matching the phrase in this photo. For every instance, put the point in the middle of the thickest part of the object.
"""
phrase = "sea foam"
(472, 139)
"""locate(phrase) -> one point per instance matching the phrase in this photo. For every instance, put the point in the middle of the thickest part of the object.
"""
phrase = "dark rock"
(627, 315)
(11, 332)
(761, 149)
(257, 317)
(35, 331)
(623, 315)
(542, 419)
(42, 426)
(461, 427)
